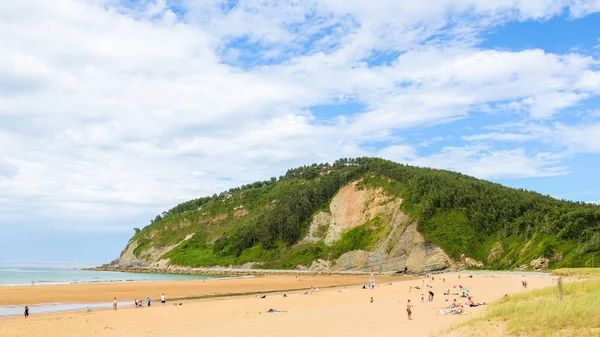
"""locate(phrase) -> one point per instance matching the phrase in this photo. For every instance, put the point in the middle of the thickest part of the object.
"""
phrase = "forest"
(461, 214)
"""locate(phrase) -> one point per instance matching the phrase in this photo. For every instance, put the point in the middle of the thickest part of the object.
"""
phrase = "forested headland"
(265, 222)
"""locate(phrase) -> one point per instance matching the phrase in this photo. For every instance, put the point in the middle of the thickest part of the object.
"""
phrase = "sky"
(112, 111)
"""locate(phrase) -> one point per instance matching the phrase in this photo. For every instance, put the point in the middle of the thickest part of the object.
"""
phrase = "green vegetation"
(360, 237)
(143, 243)
(195, 252)
(539, 313)
(571, 272)
(264, 221)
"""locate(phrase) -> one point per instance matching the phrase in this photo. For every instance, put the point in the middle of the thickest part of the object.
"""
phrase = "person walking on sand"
(149, 301)
(422, 298)
(408, 310)
(115, 304)
(26, 311)
(163, 299)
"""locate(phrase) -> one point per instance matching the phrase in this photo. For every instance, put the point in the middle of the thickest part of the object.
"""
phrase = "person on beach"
(115, 304)
(26, 311)
(149, 301)
(163, 299)
(431, 296)
(474, 304)
(422, 298)
(372, 300)
(135, 303)
(408, 311)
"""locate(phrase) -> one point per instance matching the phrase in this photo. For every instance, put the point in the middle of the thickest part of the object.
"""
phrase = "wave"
(11, 310)
(27, 270)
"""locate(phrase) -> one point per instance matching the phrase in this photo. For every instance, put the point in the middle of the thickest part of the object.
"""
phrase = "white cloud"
(569, 139)
(484, 163)
(590, 80)
(398, 153)
(428, 142)
(116, 112)
(497, 136)
(578, 139)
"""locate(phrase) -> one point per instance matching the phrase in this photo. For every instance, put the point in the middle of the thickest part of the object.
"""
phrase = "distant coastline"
(39, 274)
(222, 271)
(226, 271)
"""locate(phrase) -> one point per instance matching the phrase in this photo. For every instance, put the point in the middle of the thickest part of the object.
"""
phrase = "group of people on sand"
(409, 304)
(139, 304)
(454, 308)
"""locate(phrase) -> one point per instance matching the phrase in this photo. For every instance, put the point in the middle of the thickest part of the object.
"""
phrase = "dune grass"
(539, 313)
(577, 272)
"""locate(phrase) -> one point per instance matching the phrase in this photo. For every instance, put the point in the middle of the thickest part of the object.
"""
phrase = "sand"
(104, 292)
(342, 311)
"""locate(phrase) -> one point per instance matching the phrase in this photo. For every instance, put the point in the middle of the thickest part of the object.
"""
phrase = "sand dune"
(343, 311)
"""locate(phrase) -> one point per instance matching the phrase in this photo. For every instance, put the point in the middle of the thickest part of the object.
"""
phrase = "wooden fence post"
(560, 289)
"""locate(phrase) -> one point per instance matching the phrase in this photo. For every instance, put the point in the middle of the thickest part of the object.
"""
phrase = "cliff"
(365, 213)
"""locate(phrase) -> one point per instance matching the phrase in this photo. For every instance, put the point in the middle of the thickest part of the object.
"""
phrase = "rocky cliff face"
(401, 247)
(404, 247)
(151, 257)
(128, 258)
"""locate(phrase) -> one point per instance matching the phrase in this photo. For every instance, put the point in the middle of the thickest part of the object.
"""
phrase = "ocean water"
(43, 274)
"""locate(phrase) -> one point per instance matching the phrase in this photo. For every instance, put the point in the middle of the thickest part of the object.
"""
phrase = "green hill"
(364, 212)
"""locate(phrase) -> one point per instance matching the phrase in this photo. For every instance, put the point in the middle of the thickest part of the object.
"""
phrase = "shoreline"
(43, 284)
(219, 271)
(84, 293)
(79, 307)
(240, 272)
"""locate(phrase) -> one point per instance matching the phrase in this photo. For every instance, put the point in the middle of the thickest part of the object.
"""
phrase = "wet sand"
(342, 311)
(128, 291)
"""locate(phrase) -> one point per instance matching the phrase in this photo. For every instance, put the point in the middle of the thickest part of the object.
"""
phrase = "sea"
(40, 274)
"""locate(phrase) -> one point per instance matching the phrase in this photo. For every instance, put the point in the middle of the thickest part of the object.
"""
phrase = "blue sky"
(114, 111)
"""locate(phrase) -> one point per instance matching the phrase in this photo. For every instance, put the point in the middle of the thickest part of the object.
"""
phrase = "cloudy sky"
(112, 111)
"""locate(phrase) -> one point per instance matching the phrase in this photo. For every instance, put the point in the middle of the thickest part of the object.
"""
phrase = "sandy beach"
(339, 311)
(128, 291)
